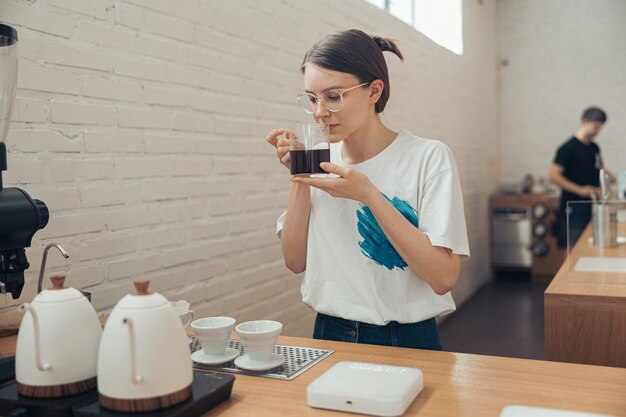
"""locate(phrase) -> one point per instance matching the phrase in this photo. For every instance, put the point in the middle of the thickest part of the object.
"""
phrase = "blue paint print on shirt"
(375, 244)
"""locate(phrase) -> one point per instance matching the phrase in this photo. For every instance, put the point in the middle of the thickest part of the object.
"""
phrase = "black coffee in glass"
(309, 146)
(308, 162)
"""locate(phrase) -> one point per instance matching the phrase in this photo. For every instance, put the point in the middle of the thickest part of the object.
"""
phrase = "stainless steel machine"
(521, 235)
(511, 237)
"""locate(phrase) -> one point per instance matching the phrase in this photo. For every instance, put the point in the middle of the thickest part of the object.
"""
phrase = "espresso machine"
(20, 215)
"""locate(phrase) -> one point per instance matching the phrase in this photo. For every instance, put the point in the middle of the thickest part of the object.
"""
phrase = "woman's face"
(356, 108)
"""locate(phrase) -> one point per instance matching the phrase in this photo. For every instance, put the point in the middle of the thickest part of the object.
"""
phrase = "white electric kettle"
(144, 362)
(57, 344)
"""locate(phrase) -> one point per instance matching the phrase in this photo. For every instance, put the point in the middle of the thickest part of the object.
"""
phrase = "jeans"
(421, 335)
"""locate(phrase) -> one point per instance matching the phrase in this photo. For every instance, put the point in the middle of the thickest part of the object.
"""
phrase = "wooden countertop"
(455, 384)
(603, 289)
(552, 200)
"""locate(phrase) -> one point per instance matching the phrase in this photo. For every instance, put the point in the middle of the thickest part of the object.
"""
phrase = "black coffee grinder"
(20, 215)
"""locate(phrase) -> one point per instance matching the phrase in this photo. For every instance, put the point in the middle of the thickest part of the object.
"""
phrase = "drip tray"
(297, 360)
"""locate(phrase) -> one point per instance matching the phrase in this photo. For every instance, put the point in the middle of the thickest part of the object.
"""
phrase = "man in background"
(576, 169)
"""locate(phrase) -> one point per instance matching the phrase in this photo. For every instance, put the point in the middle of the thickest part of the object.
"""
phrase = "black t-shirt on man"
(581, 164)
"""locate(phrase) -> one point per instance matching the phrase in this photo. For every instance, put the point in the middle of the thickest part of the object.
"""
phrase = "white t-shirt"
(352, 271)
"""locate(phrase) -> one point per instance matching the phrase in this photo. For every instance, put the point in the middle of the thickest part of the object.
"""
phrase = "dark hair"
(355, 52)
(594, 114)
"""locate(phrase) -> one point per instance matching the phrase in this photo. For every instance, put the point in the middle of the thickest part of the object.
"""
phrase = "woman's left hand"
(352, 184)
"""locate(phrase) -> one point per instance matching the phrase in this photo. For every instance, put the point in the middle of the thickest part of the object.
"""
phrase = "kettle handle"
(135, 377)
(38, 362)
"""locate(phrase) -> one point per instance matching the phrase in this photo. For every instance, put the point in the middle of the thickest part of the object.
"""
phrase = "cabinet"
(585, 311)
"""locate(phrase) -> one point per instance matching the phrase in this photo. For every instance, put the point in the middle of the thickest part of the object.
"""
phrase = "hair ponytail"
(387, 45)
(355, 52)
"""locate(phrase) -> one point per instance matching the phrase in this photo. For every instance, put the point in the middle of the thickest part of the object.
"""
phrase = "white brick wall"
(141, 124)
(563, 56)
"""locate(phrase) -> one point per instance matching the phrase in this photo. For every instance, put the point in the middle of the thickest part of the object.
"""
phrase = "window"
(439, 20)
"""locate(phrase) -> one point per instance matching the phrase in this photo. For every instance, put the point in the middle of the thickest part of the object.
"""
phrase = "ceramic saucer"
(201, 357)
(244, 362)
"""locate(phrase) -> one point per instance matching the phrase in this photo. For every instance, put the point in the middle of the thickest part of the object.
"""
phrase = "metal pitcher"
(604, 217)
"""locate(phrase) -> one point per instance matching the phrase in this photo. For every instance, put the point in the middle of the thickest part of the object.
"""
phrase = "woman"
(381, 245)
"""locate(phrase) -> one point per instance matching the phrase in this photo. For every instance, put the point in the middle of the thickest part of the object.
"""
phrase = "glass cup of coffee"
(309, 145)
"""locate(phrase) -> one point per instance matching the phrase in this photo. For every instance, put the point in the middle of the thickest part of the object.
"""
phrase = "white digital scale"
(366, 388)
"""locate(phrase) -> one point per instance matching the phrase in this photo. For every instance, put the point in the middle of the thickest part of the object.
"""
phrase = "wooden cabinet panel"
(586, 336)
(585, 312)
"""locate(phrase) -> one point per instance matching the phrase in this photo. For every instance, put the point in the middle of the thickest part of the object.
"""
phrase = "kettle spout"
(43, 262)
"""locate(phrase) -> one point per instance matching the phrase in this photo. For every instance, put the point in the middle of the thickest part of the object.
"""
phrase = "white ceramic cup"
(186, 315)
(259, 337)
(213, 333)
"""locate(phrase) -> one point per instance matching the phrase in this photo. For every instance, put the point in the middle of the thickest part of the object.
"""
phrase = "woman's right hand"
(281, 145)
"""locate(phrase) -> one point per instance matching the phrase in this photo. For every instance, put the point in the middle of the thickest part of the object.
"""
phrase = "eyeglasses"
(331, 99)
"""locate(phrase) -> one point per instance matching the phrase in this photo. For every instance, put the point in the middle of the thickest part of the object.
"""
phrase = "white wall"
(141, 124)
(563, 56)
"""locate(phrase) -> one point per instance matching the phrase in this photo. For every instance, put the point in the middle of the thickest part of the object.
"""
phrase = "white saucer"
(201, 357)
(244, 362)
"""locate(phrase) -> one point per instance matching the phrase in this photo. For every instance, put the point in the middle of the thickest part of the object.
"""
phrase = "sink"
(601, 264)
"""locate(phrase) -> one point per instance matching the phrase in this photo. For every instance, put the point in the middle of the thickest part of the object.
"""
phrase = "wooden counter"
(585, 312)
(456, 384)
